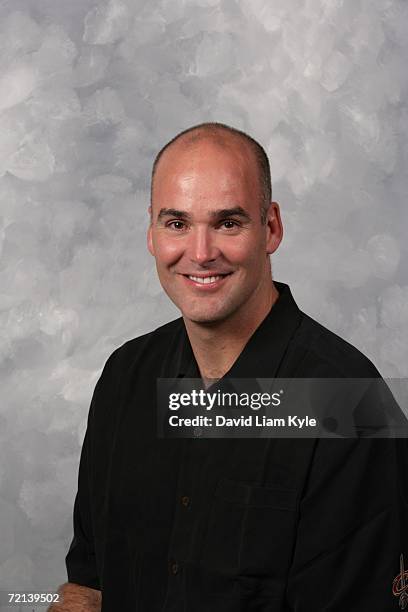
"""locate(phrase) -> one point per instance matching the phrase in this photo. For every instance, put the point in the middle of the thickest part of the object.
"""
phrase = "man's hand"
(77, 598)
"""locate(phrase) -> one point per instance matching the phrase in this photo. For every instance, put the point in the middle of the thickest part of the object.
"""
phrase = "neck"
(217, 346)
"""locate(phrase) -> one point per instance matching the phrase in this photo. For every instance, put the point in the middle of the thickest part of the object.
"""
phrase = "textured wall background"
(89, 91)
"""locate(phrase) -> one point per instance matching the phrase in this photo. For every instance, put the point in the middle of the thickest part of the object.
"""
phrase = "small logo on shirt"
(400, 585)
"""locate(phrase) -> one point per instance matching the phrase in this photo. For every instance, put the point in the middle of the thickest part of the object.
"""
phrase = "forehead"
(204, 167)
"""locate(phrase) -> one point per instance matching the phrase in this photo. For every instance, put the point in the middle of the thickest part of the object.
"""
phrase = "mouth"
(208, 281)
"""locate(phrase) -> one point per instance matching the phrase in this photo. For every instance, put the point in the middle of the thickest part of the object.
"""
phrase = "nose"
(202, 246)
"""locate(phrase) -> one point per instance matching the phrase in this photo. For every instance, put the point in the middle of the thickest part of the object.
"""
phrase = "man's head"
(213, 224)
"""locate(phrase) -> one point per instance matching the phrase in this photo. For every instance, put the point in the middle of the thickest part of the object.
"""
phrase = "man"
(228, 524)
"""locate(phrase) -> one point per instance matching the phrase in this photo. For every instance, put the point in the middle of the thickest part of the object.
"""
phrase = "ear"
(150, 245)
(274, 228)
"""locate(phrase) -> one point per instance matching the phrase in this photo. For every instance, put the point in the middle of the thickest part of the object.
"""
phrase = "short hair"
(215, 129)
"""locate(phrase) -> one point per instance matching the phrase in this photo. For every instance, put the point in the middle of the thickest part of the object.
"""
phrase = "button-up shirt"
(234, 525)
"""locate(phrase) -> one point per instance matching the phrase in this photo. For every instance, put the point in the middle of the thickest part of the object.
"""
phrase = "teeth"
(204, 281)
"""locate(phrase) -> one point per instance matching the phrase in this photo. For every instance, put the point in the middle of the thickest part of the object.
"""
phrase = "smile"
(205, 280)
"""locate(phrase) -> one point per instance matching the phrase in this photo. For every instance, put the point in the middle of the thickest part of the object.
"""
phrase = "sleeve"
(353, 528)
(82, 559)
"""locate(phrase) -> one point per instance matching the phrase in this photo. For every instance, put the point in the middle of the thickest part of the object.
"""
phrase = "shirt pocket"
(251, 529)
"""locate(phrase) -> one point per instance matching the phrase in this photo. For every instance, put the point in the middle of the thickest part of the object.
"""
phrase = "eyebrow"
(172, 212)
(236, 211)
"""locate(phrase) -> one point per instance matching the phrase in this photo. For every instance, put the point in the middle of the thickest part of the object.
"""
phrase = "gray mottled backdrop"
(89, 91)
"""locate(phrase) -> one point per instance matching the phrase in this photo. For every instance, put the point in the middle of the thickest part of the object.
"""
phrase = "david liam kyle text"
(252, 420)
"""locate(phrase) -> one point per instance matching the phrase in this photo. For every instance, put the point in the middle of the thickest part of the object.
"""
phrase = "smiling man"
(213, 227)
(231, 525)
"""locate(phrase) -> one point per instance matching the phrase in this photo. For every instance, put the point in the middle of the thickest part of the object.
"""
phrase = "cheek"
(167, 251)
(245, 250)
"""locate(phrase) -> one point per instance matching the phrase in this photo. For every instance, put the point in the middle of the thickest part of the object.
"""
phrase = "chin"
(205, 317)
(196, 317)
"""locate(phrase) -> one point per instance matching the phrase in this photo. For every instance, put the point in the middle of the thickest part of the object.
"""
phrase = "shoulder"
(151, 345)
(157, 338)
(327, 354)
(146, 352)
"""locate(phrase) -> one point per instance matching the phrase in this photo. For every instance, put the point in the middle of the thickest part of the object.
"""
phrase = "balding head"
(226, 137)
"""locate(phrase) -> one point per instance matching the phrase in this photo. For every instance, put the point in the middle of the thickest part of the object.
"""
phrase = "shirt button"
(174, 568)
(185, 500)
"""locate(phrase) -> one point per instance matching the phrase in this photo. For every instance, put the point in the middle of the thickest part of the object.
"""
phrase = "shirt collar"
(264, 351)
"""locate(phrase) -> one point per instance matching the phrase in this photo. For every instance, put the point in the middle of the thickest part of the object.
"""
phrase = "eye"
(176, 225)
(229, 224)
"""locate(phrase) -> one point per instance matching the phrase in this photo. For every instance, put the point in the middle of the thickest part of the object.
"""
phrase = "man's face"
(206, 234)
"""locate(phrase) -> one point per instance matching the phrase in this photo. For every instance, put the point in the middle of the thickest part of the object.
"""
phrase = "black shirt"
(236, 525)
